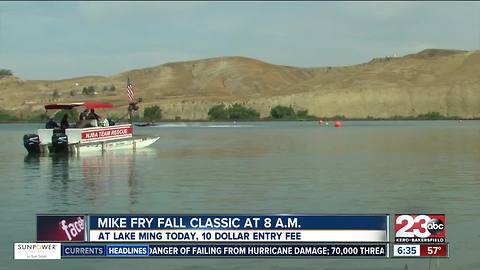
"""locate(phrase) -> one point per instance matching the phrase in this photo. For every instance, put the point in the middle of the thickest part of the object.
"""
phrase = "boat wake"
(202, 126)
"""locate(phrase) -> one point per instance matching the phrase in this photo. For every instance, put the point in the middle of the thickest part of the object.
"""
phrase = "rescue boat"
(76, 139)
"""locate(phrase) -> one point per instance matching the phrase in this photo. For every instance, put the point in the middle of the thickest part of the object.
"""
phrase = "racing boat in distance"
(147, 124)
(92, 136)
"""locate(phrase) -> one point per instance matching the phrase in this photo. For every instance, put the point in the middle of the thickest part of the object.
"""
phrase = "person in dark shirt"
(64, 124)
(83, 115)
(83, 122)
(93, 116)
(51, 124)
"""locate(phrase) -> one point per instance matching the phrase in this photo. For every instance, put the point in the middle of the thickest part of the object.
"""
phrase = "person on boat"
(51, 124)
(94, 118)
(103, 122)
(83, 115)
(64, 123)
(82, 119)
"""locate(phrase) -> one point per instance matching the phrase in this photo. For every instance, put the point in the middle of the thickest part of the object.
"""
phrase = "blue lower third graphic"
(127, 250)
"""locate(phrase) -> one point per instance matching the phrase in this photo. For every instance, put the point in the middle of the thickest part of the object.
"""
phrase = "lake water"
(263, 167)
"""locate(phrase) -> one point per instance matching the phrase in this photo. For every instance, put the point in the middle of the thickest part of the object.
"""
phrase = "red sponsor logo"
(105, 133)
(73, 229)
(420, 228)
(60, 228)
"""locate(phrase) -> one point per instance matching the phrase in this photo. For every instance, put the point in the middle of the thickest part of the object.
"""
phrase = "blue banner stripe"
(271, 222)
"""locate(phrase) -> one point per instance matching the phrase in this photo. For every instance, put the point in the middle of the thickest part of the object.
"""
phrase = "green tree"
(338, 117)
(5, 72)
(431, 116)
(302, 113)
(282, 112)
(234, 112)
(152, 113)
(5, 116)
(112, 88)
(218, 112)
(237, 112)
(89, 91)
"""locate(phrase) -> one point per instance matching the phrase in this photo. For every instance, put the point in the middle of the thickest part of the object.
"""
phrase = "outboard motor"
(32, 143)
(59, 142)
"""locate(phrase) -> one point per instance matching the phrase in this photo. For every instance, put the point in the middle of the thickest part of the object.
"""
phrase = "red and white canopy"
(69, 106)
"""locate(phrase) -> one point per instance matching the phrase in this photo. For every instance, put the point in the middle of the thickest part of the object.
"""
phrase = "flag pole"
(132, 104)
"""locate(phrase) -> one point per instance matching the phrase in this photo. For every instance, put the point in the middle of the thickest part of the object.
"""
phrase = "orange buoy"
(338, 124)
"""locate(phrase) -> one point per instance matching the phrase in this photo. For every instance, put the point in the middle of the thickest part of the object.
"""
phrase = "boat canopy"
(69, 106)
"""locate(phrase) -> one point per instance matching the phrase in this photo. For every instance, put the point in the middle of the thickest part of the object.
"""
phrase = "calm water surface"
(268, 167)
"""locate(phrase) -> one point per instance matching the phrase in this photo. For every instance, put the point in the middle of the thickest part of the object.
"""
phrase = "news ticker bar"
(58, 250)
(140, 250)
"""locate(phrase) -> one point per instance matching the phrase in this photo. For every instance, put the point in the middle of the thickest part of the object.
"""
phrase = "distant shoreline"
(264, 120)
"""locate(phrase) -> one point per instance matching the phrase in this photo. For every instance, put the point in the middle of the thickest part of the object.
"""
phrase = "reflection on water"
(87, 176)
(288, 167)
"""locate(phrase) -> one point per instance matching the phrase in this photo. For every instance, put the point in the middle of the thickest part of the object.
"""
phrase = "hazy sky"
(54, 40)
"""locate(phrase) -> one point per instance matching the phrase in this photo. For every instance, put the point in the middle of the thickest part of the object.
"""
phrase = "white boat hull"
(94, 139)
(132, 143)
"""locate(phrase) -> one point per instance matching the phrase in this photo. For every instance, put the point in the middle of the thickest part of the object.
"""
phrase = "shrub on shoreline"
(6, 117)
(234, 112)
(283, 112)
(239, 112)
(218, 112)
(152, 113)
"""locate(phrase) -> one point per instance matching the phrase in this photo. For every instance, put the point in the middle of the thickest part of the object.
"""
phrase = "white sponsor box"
(37, 251)
(406, 250)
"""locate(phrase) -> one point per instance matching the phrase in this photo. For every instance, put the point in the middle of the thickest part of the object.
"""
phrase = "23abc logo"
(421, 226)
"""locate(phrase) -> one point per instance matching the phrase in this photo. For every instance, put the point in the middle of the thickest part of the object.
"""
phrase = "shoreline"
(264, 120)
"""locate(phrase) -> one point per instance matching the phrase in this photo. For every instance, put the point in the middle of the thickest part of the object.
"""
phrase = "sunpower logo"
(37, 251)
(36, 246)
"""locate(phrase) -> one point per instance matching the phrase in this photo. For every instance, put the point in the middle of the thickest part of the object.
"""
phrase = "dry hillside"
(445, 81)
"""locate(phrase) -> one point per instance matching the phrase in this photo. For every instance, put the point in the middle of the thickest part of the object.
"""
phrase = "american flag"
(130, 92)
